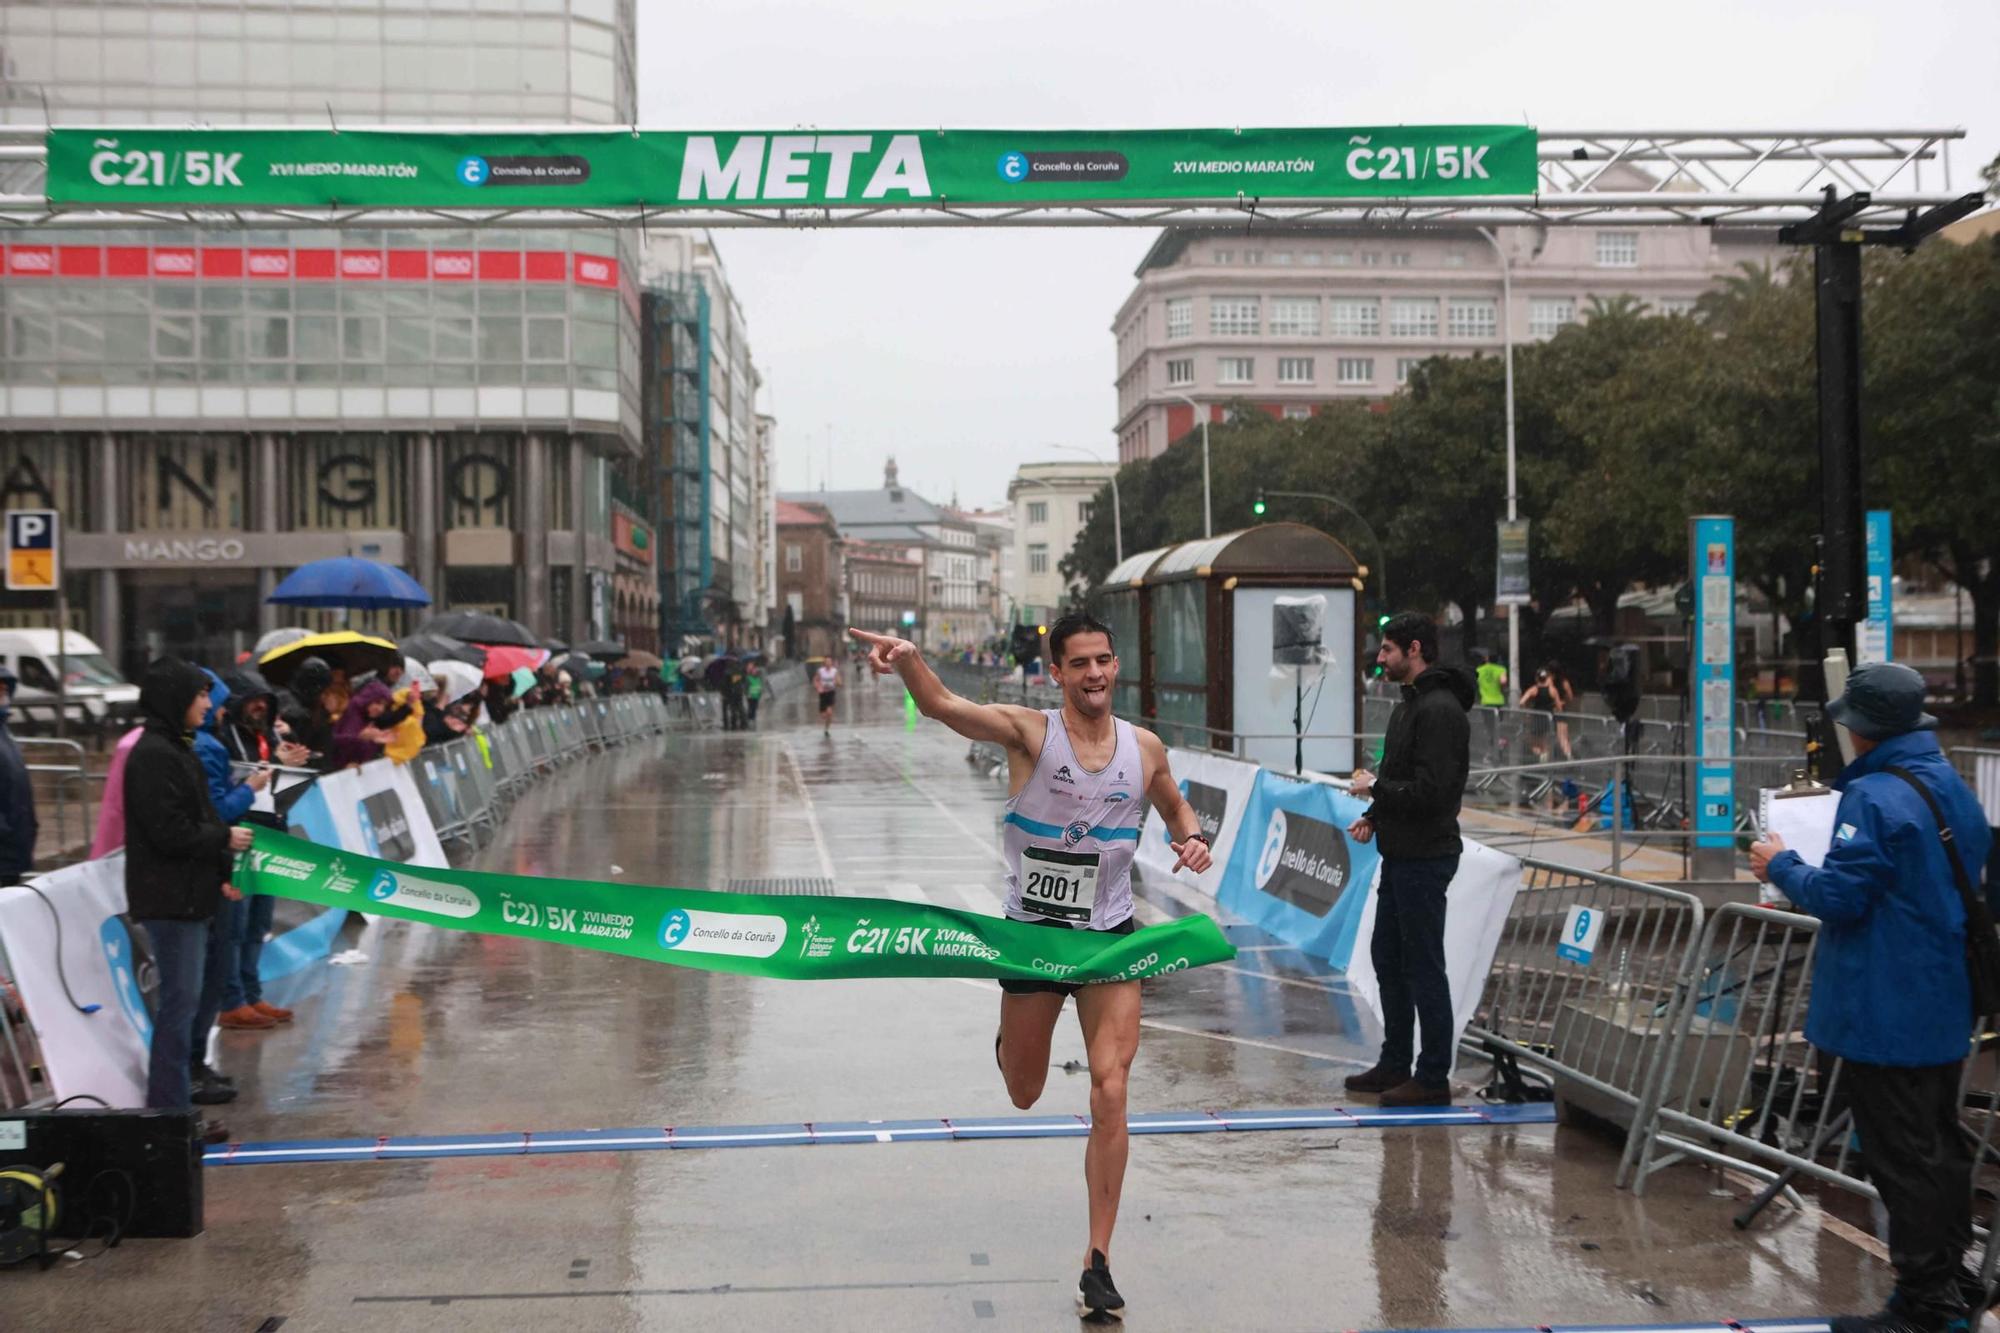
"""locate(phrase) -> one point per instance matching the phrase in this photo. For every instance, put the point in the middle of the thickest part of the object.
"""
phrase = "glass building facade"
(208, 410)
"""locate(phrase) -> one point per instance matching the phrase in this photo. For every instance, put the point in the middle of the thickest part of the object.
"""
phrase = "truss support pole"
(1842, 599)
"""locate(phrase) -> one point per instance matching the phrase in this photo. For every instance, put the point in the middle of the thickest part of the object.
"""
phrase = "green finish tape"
(765, 935)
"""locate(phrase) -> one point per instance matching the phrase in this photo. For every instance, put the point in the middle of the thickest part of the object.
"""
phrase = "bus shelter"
(1194, 625)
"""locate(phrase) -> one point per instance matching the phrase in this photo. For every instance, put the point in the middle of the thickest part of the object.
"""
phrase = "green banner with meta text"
(872, 169)
(794, 938)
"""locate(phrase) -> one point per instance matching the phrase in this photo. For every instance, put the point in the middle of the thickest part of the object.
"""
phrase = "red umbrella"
(502, 660)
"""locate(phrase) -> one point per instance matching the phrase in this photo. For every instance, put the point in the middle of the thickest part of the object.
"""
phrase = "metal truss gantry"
(1737, 179)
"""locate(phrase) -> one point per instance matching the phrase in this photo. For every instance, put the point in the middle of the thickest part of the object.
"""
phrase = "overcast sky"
(966, 352)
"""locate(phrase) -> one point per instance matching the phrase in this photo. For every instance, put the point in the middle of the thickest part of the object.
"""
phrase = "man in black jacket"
(18, 828)
(1415, 814)
(178, 858)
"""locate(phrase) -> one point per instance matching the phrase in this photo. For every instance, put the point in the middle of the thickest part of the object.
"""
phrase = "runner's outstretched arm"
(1185, 838)
(999, 723)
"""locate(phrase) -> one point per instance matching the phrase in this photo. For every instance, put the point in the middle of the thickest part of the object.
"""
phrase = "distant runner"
(1076, 779)
(827, 681)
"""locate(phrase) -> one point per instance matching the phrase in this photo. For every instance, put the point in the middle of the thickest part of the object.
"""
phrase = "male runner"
(1076, 776)
(827, 681)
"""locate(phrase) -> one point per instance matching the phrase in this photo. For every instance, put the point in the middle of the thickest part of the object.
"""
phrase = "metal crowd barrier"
(1740, 1087)
(1596, 1029)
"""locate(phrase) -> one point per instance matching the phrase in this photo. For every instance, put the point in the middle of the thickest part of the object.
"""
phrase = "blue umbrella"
(350, 581)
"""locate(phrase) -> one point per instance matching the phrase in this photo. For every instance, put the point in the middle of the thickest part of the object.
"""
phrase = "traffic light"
(1257, 506)
(1381, 622)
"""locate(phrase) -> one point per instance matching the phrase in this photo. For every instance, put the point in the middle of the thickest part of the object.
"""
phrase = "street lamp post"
(1513, 499)
(1117, 514)
(1381, 551)
(1207, 510)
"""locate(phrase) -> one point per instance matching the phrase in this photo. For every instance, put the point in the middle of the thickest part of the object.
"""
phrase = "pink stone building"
(1292, 320)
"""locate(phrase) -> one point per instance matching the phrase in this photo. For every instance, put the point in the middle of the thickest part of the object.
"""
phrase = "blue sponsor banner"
(1295, 872)
(288, 951)
(1875, 641)
(1713, 551)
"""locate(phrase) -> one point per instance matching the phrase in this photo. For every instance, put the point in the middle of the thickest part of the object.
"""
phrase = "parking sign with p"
(32, 564)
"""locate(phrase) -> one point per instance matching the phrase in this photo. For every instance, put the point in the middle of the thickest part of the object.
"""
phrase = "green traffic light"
(1381, 622)
(1257, 507)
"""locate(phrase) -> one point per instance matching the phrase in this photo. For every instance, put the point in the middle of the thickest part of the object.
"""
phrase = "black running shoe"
(1095, 1295)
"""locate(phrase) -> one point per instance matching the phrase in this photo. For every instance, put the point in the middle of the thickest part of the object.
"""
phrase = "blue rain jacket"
(1889, 983)
(232, 799)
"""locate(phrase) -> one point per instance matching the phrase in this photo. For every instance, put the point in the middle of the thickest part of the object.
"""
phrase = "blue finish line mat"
(1706, 1326)
(652, 1138)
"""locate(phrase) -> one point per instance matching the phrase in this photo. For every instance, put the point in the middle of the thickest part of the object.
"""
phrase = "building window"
(1356, 369)
(1413, 318)
(1038, 557)
(795, 558)
(1295, 317)
(1405, 365)
(1298, 412)
(1341, 258)
(1454, 259)
(1281, 257)
(1400, 259)
(1618, 249)
(1235, 369)
(1228, 315)
(1357, 319)
(1038, 512)
(1180, 317)
(1474, 318)
(1311, 258)
(1083, 510)
(1371, 259)
(1546, 318)
(1181, 371)
(1224, 257)
(1253, 256)
(1295, 370)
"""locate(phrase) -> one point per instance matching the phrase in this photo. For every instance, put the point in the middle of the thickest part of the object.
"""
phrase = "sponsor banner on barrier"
(1293, 870)
(1476, 907)
(377, 810)
(101, 1053)
(771, 935)
(1217, 789)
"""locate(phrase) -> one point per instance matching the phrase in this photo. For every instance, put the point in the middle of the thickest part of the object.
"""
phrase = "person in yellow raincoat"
(414, 687)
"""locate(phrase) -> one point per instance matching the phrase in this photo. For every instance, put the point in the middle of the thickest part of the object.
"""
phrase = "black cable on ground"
(62, 974)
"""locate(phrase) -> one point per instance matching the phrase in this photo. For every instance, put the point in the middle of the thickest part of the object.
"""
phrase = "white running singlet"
(1070, 834)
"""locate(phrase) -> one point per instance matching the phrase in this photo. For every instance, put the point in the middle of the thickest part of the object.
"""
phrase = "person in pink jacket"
(111, 810)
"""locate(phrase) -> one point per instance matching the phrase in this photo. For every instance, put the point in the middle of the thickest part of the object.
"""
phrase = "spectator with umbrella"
(348, 582)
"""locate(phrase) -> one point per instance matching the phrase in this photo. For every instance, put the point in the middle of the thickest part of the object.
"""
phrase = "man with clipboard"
(1892, 992)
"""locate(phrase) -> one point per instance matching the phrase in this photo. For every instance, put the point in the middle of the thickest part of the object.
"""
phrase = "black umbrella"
(607, 649)
(479, 627)
(556, 646)
(443, 648)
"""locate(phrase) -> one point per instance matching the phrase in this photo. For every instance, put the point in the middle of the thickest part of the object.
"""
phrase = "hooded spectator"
(111, 813)
(359, 738)
(17, 796)
(178, 858)
(302, 709)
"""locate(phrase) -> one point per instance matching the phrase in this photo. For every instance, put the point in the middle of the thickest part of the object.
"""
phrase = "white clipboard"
(1803, 816)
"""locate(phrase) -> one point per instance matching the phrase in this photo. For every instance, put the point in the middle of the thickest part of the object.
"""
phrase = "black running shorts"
(1125, 927)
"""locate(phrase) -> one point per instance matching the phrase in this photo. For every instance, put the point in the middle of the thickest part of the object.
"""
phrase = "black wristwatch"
(1202, 837)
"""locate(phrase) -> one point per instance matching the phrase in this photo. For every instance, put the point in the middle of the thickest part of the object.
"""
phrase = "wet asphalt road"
(444, 1032)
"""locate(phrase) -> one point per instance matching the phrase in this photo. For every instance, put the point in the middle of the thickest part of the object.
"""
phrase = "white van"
(93, 684)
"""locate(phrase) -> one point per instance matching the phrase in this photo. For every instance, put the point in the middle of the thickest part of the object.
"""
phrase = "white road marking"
(812, 815)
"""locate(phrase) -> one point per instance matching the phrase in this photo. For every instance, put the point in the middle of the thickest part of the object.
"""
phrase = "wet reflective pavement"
(442, 1032)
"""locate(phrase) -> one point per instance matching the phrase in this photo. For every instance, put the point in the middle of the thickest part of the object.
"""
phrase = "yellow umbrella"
(351, 652)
